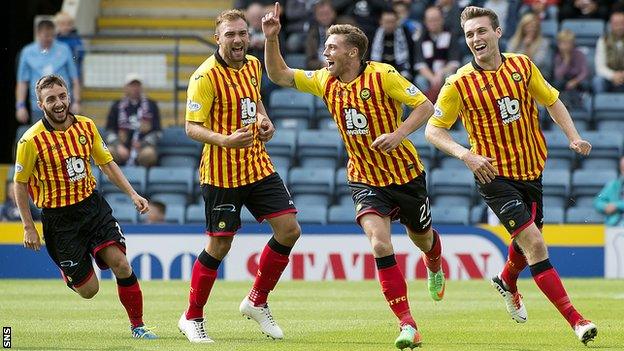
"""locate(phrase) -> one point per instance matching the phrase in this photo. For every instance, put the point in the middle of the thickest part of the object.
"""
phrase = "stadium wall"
(328, 252)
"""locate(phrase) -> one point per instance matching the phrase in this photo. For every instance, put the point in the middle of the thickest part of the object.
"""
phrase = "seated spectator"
(413, 27)
(571, 69)
(156, 214)
(297, 15)
(610, 200)
(133, 126)
(324, 17)
(507, 12)
(393, 44)
(587, 9)
(543, 9)
(450, 13)
(610, 57)
(435, 54)
(366, 13)
(528, 40)
(9, 212)
(68, 34)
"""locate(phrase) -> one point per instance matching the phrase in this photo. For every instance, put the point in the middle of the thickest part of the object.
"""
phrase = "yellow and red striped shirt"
(499, 111)
(56, 164)
(364, 109)
(225, 99)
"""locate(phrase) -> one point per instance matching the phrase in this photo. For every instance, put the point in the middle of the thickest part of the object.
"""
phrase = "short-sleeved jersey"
(225, 99)
(499, 111)
(56, 164)
(364, 109)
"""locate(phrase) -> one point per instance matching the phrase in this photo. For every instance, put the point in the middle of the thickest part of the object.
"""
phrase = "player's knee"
(88, 291)
(381, 248)
(292, 231)
(219, 246)
(120, 265)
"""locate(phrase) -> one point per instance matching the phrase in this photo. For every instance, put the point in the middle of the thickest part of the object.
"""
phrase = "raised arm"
(277, 70)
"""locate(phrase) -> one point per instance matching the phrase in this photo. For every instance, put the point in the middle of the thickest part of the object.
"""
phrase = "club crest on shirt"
(516, 77)
(365, 94)
(82, 139)
(254, 82)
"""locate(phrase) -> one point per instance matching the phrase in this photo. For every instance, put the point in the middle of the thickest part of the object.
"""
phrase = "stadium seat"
(312, 214)
(558, 145)
(342, 186)
(610, 125)
(599, 163)
(247, 217)
(424, 149)
(322, 112)
(117, 198)
(450, 215)
(288, 104)
(587, 31)
(550, 28)
(312, 199)
(297, 61)
(583, 201)
(170, 198)
(137, 177)
(283, 173)
(557, 163)
(608, 107)
(590, 182)
(319, 148)
(556, 183)
(175, 214)
(554, 215)
(451, 200)
(341, 214)
(170, 180)
(606, 144)
(452, 163)
(178, 161)
(452, 182)
(125, 213)
(476, 213)
(583, 215)
(195, 214)
(174, 141)
(314, 181)
(554, 201)
(283, 144)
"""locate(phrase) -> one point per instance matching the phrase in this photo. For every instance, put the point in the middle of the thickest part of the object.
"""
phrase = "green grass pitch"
(45, 315)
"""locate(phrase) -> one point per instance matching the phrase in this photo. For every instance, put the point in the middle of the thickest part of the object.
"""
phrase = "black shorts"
(408, 202)
(516, 203)
(75, 233)
(266, 198)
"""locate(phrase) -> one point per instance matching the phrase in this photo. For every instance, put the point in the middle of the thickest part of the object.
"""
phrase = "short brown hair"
(353, 35)
(566, 34)
(229, 15)
(471, 12)
(48, 81)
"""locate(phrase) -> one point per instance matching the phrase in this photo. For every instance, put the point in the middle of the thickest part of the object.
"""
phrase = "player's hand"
(241, 138)
(265, 128)
(140, 203)
(387, 142)
(31, 238)
(21, 115)
(481, 166)
(581, 146)
(271, 24)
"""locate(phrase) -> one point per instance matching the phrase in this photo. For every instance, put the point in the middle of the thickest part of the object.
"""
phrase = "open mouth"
(59, 109)
(237, 50)
(480, 47)
(330, 63)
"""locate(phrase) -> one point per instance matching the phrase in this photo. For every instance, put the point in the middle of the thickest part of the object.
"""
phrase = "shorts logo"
(516, 77)
(365, 94)
(225, 207)
(358, 207)
(509, 205)
(69, 279)
(68, 264)
(254, 81)
(221, 225)
(82, 139)
(193, 106)
(512, 223)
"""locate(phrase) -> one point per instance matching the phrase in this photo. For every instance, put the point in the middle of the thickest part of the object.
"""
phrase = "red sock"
(516, 262)
(432, 257)
(131, 298)
(270, 269)
(394, 288)
(202, 280)
(549, 282)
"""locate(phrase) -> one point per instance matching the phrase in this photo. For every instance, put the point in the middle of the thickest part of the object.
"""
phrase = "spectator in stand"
(450, 12)
(610, 57)
(133, 126)
(324, 16)
(42, 57)
(436, 54)
(9, 212)
(67, 33)
(571, 69)
(528, 40)
(254, 14)
(413, 26)
(507, 12)
(297, 14)
(610, 200)
(543, 9)
(366, 13)
(588, 9)
(393, 45)
(157, 212)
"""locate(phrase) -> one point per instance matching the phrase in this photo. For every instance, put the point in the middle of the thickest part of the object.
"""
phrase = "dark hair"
(471, 12)
(45, 24)
(159, 205)
(48, 81)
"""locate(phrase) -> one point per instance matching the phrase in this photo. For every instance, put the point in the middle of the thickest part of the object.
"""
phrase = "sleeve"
(401, 89)
(23, 73)
(309, 81)
(99, 151)
(25, 160)
(447, 106)
(539, 88)
(199, 97)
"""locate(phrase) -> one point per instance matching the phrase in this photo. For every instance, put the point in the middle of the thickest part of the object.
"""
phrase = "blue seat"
(124, 213)
(341, 214)
(610, 125)
(452, 182)
(322, 112)
(342, 185)
(117, 198)
(295, 60)
(311, 199)
(550, 28)
(558, 145)
(556, 163)
(451, 200)
(425, 150)
(178, 161)
(587, 31)
(606, 144)
(195, 214)
(313, 181)
(554, 215)
(282, 146)
(608, 107)
(174, 141)
(599, 163)
(319, 148)
(554, 201)
(288, 104)
(583, 215)
(247, 217)
(452, 163)
(450, 215)
(136, 175)
(170, 198)
(590, 182)
(283, 173)
(170, 180)
(477, 212)
(312, 214)
(556, 182)
(175, 213)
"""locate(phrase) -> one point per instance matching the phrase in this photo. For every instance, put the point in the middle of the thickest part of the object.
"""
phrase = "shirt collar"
(476, 66)
(49, 126)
